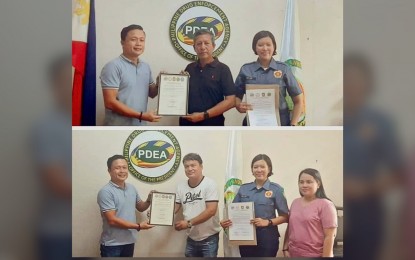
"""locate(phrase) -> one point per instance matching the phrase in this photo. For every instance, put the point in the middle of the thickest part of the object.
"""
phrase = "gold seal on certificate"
(242, 232)
(264, 100)
(162, 209)
(173, 94)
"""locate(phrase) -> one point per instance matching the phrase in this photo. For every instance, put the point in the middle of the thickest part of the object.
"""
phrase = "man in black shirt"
(211, 87)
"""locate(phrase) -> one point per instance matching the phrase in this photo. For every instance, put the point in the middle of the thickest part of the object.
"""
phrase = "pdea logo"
(153, 156)
(194, 16)
(186, 31)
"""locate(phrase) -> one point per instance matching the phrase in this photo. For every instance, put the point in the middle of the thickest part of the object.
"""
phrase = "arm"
(285, 245)
(225, 223)
(181, 224)
(222, 107)
(143, 205)
(329, 235)
(153, 90)
(240, 85)
(177, 207)
(260, 222)
(115, 221)
(242, 107)
(229, 92)
(112, 103)
(298, 108)
(280, 219)
(210, 211)
(218, 109)
(296, 93)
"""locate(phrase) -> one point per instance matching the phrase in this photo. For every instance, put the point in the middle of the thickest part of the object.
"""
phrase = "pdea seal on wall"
(152, 156)
(193, 16)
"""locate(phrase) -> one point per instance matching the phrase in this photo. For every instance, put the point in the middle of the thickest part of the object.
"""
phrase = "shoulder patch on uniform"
(281, 63)
(278, 74)
(276, 185)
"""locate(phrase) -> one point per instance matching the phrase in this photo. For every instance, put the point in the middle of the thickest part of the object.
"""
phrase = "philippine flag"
(83, 62)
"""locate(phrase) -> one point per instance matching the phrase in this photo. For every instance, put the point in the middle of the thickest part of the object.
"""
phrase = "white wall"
(321, 26)
(290, 151)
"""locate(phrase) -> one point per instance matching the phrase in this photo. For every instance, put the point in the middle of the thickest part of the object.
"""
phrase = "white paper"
(241, 214)
(162, 209)
(264, 112)
(173, 94)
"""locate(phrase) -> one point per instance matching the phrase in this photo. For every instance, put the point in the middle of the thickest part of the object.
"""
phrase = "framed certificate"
(173, 94)
(162, 208)
(242, 232)
(264, 100)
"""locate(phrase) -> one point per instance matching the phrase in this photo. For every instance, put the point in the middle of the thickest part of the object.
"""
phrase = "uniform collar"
(273, 65)
(265, 186)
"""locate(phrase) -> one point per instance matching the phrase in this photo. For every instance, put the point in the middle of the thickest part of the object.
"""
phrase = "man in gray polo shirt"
(118, 201)
(127, 82)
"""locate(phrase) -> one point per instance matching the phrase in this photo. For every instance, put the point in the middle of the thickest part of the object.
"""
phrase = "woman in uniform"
(267, 197)
(266, 70)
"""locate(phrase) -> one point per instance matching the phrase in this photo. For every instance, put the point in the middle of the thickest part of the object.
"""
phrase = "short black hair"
(113, 158)
(264, 34)
(131, 27)
(202, 32)
(192, 157)
(267, 161)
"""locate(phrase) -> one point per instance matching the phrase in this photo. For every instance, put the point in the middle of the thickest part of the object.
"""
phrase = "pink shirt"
(306, 226)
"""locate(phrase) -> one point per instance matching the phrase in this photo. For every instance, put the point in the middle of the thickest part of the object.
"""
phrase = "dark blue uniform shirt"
(277, 73)
(267, 199)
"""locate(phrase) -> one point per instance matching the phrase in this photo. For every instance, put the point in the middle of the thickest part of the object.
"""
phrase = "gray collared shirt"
(123, 201)
(132, 82)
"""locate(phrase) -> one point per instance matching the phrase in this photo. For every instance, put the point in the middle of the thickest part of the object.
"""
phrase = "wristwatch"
(205, 115)
(269, 222)
(189, 224)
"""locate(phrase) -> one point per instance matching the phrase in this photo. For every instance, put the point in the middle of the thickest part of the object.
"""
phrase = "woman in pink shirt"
(312, 221)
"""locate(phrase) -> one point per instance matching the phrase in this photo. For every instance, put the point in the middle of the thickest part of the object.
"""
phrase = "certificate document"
(241, 214)
(173, 94)
(162, 208)
(264, 100)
